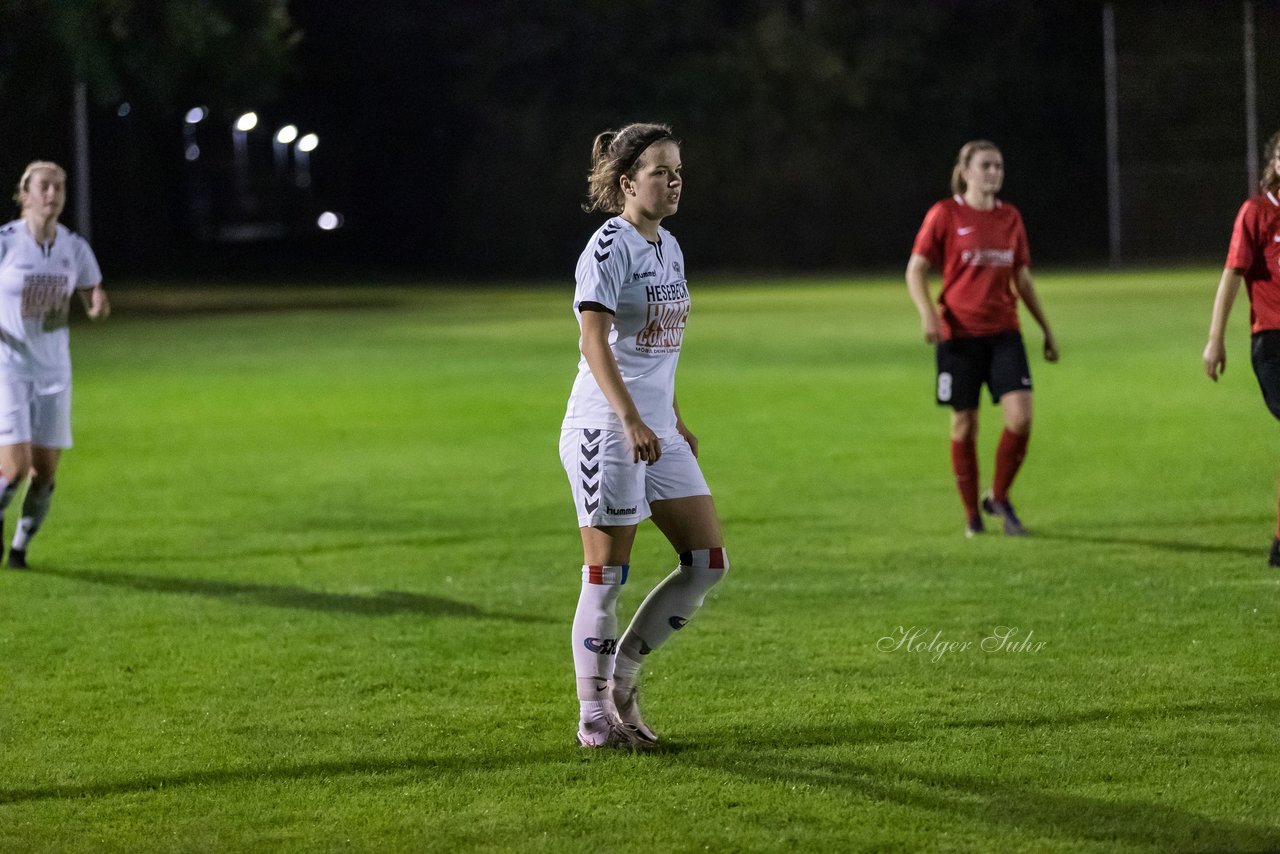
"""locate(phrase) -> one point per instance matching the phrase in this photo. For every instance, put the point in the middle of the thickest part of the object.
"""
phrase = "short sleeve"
(929, 240)
(601, 270)
(1021, 247)
(1240, 253)
(88, 274)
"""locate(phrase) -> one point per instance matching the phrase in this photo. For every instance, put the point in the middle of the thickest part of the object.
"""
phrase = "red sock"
(964, 462)
(1009, 455)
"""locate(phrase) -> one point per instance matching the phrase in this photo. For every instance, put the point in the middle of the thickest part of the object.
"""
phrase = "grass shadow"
(382, 604)
(1150, 543)
(361, 545)
(281, 773)
(467, 763)
(1026, 804)
(757, 755)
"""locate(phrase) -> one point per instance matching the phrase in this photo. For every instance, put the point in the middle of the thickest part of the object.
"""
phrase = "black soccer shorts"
(1265, 349)
(999, 361)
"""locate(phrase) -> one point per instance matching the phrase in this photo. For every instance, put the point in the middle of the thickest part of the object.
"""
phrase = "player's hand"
(688, 437)
(99, 306)
(1050, 347)
(1215, 359)
(645, 447)
(932, 332)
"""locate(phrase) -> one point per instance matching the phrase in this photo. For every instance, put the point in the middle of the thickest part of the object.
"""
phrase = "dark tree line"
(816, 133)
(140, 64)
(456, 134)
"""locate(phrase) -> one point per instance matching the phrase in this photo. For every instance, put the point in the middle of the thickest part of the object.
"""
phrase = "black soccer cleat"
(1003, 509)
(1274, 560)
(17, 559)
(974, 527)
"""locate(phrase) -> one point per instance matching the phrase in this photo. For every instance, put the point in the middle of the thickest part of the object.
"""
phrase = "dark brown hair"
(615, 153)
(958, 185)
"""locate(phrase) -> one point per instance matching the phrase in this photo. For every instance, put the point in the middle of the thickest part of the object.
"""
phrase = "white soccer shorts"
(28, 415)
(609, 489)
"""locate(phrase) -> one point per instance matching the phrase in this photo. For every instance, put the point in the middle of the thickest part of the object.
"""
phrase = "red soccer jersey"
(978, 253)
(1255, 249)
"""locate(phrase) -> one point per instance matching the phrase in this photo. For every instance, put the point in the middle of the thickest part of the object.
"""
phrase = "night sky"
(454, 136)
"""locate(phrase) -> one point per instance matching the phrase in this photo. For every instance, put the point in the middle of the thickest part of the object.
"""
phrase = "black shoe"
(17, 558)
(1003, 509)
(974, 527)
(1274, 560)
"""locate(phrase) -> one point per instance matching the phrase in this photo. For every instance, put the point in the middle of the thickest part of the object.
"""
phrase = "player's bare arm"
(1027, 291)
(918, 286)
(604, 368)
(96, 304)
(1215, 351)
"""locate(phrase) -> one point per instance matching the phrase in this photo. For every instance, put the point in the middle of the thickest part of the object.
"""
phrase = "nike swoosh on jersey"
(1276, 239)
(967, 230)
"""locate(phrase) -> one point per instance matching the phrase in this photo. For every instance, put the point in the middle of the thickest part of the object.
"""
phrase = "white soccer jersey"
(36, 283)
(643, 285)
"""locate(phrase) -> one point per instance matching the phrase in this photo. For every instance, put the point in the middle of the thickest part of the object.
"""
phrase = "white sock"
(626, 666)
(595, 635)
(667, 609)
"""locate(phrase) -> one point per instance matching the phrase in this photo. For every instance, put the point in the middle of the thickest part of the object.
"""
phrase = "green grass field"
(308, 582)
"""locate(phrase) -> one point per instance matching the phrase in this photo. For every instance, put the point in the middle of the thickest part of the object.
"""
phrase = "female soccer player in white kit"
(41, 264)
(627, 453)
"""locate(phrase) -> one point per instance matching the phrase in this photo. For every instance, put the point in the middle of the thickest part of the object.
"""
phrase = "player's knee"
(964, 426)
(1019, 423)
(714, 560)
(16, 469)
(701, 570)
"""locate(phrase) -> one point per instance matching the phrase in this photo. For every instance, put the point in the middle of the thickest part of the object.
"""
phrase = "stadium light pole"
(302, 159)
(1250, 99)
(1113, 130)
(198, 201)
(80, 138)
(240, 142)
(190, 147)
(280, 145)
